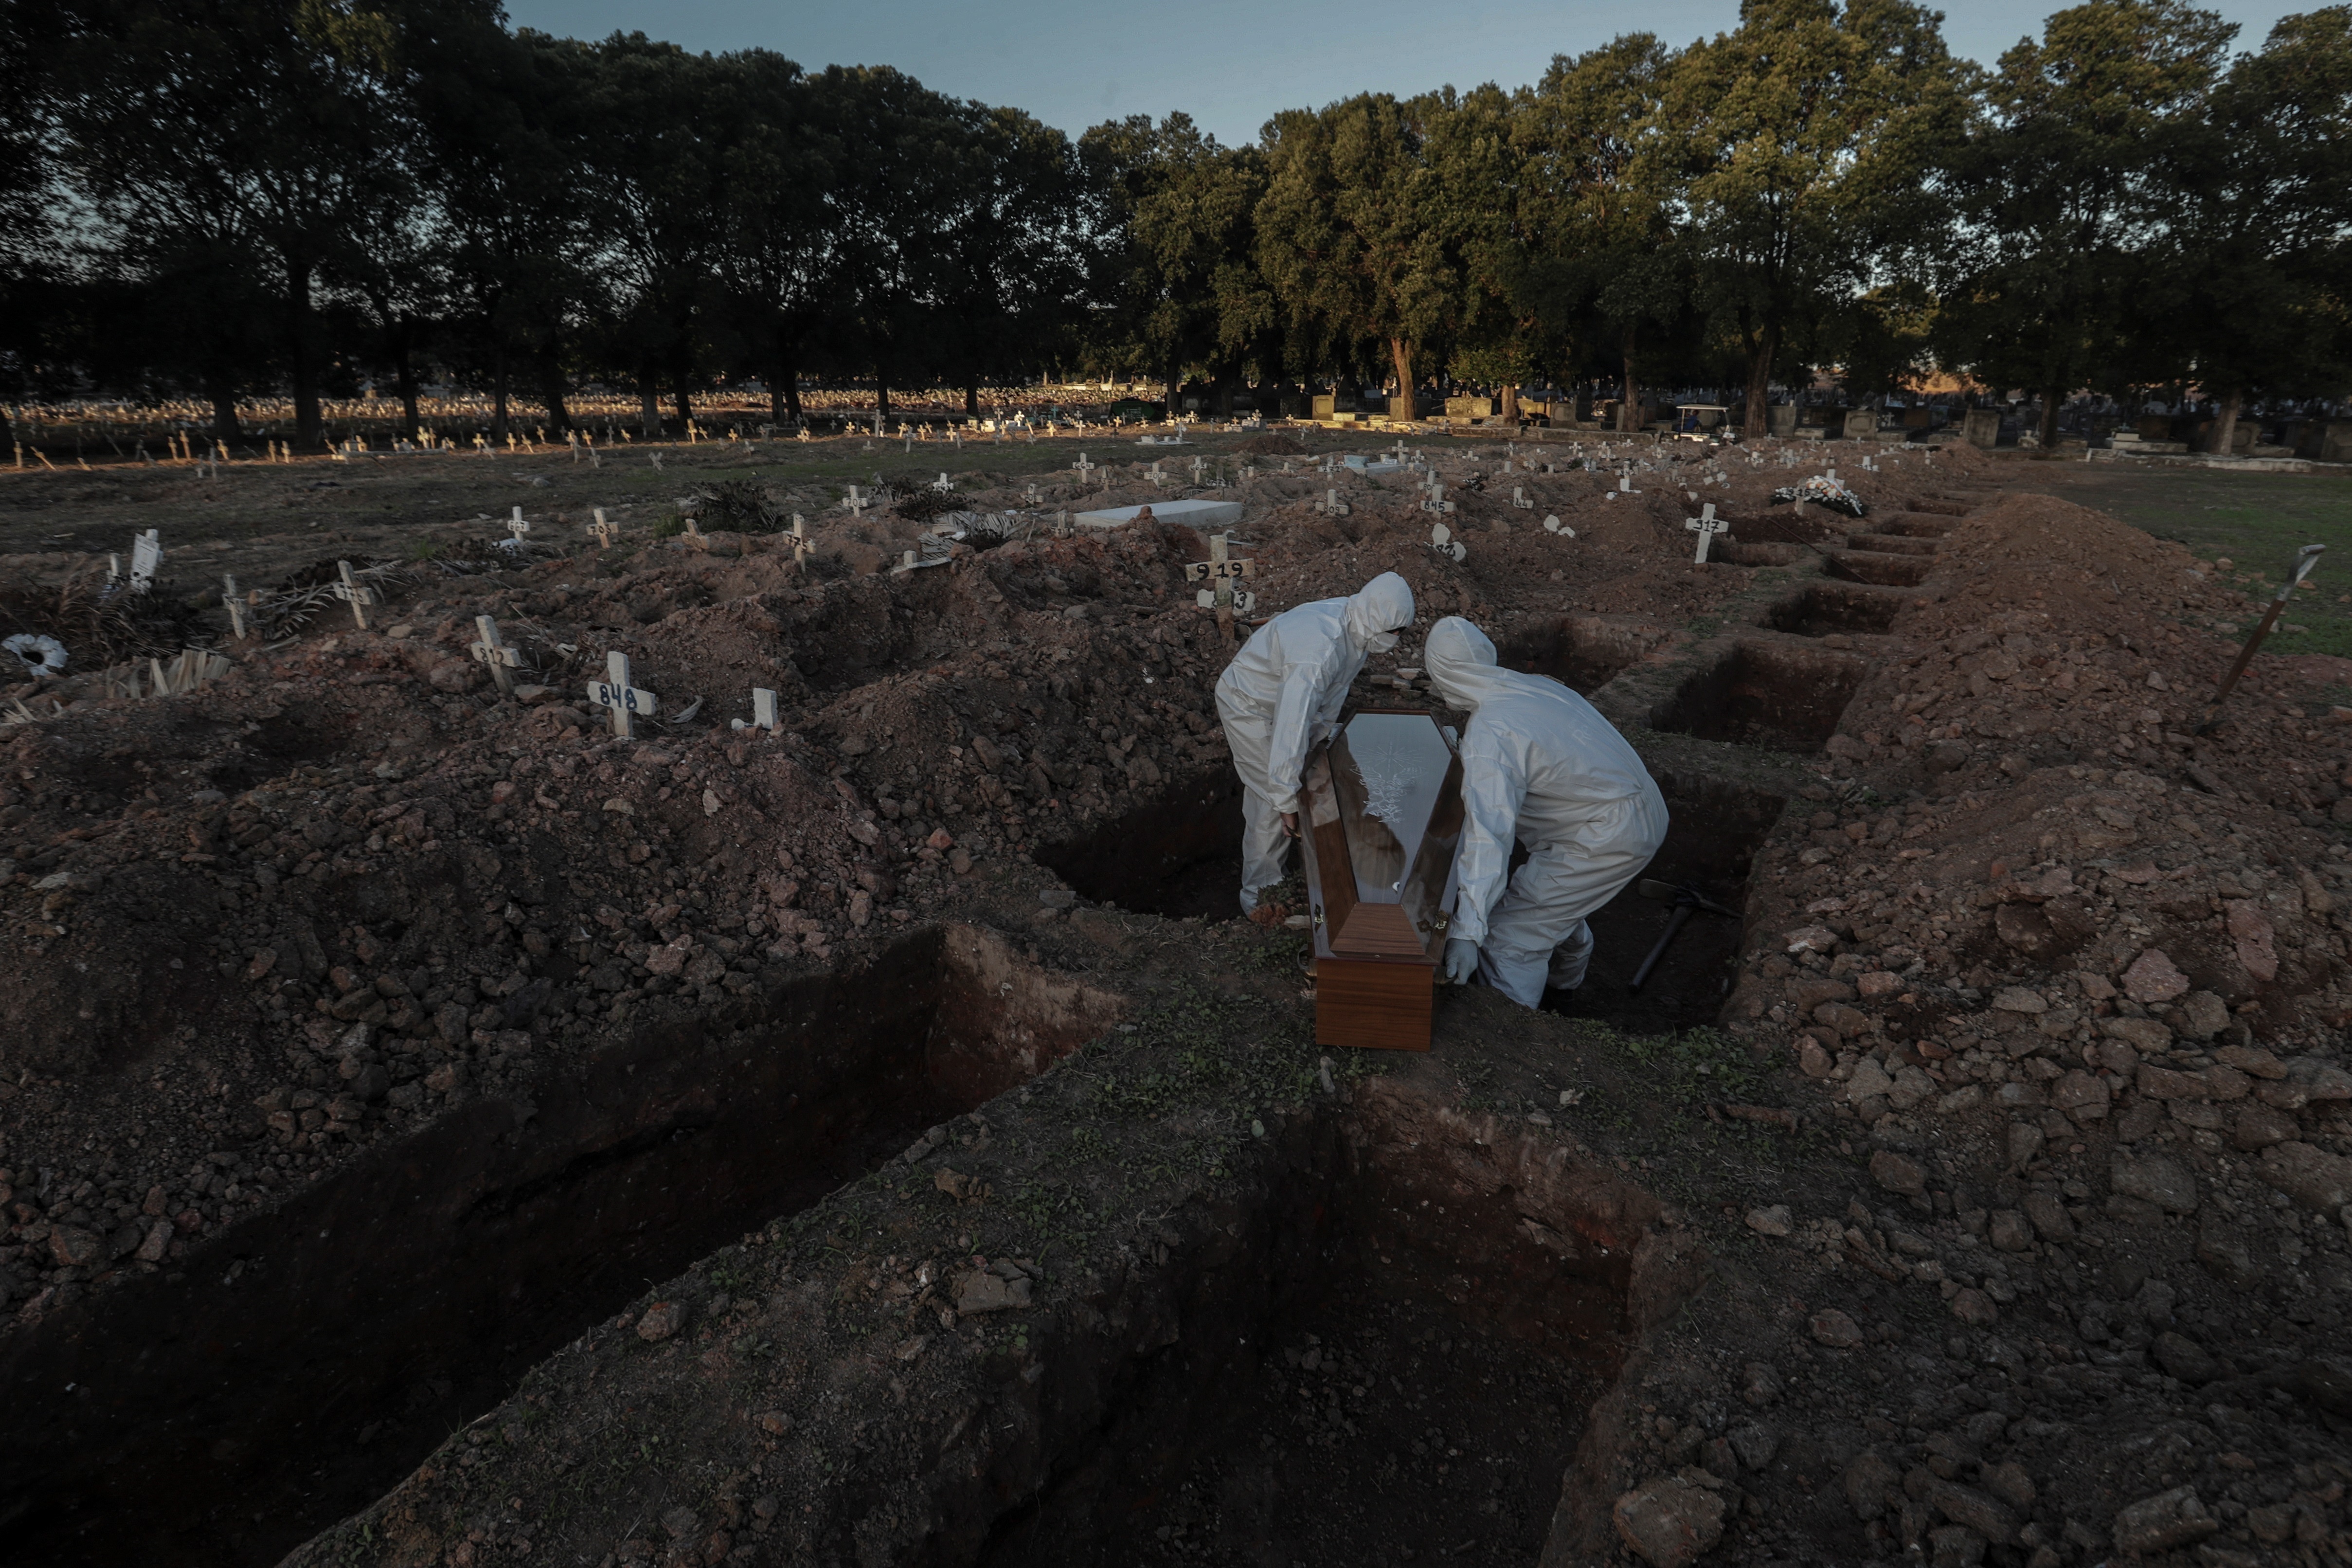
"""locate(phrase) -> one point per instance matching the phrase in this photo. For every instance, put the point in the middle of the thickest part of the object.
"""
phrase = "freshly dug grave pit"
(331, 1344)
(1749, 552)
(1179, 854)
(1714, 829)
(1893, 544)
(1583, 653)
(1396, 1362)
(1914, 525)
(1822, 608)
(1870, 566)
(1787, 696)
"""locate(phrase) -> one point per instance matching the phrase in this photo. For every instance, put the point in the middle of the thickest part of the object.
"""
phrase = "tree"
(1805, 137)
(2251, 284)
(2064, 184)
(781, 172)
(1006, 273)
(1345, 232)
(249, 135)
(1176, 280)
(1596, 205)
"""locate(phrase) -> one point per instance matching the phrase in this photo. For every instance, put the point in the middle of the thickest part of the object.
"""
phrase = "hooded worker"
(1283, 693)
(1539, 764)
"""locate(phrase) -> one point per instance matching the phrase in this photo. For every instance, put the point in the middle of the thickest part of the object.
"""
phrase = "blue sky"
(1074, 63)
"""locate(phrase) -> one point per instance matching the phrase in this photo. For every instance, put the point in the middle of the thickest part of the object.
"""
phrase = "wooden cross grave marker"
(1706, 525)
(1221, 570)
(615, 694)
(604, 533)
(356, 594)
(517, 528)
(495, 651)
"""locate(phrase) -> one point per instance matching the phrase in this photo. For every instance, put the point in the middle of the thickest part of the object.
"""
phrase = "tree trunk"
(405, 373)
(684, 408)
(649, 399)
(224, 401)
(1759, 423)
(881, 397)
(2049, 419)
(550, 381)
(1511, 403)
(2225, 421)
(308, 428)
(498, 400)
(1628, 406)
(971, 400)
(1401, 355)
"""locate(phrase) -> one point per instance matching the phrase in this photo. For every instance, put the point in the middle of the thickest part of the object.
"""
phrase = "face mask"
(1380, 642)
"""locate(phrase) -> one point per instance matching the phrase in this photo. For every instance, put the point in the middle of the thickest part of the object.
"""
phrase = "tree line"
(206, 197)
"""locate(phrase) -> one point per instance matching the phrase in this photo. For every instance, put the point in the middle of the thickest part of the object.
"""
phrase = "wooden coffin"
(1380, 818)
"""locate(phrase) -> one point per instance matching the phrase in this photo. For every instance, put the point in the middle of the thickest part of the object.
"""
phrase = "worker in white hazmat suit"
(1539, 764)
(1282, 694)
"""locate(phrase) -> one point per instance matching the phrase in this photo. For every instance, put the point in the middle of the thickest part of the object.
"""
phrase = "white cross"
(856, 504)
(614, 693)
(1706, 525)
(493, 651)
(941, 485)
(1520, 500)
(358, 595)
(604, 531)
(517, 526)
(236, 606)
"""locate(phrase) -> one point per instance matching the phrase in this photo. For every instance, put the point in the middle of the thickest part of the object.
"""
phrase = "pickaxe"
(1685, 899)
(2306, 559)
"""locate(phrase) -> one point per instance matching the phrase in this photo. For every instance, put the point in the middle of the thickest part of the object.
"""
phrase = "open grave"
(1177, 856)
(1821, 608)
(1393, 1358)
(1788, 697)
(1874, 566)
(223, 1420)
(1583, 653)
(1714, 829)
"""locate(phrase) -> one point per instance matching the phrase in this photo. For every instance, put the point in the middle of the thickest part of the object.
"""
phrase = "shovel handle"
(1674, 923)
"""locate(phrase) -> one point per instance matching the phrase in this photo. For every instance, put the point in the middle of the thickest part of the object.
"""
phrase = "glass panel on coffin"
(1384, 814)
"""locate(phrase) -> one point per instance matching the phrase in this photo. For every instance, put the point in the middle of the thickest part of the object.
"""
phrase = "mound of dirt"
(1271, 444)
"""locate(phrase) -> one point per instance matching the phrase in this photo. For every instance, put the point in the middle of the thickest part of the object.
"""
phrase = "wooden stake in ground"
(495, 651)
(2306, 559)
(358, 595)
(614, 694)
(236, 606)
(1706, 525)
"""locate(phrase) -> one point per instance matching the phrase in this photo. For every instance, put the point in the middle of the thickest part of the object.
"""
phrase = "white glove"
(1461, 960)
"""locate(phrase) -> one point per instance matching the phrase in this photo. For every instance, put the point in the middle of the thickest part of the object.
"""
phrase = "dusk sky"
(1228, 65)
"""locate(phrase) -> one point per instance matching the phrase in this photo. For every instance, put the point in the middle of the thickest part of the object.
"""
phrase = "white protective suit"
(1283, 693)
(1539, 764)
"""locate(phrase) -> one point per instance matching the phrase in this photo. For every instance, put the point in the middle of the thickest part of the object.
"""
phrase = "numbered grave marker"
(1706, 525)
(495, 651)
(614, 694)
(603, 532)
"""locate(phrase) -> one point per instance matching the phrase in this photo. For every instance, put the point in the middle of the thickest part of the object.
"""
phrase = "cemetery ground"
(436, 1128)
